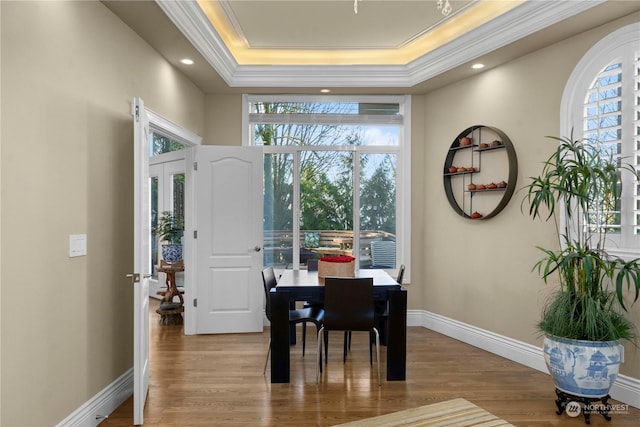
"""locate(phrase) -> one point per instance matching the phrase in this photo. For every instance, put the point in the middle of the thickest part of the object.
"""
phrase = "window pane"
(378, 210)
(326, 204)
(161, 144)
(330, 107)
(602, 126)
(177, 182)
(154, 224)
(325, 124)
(278, 209)
(306, 135)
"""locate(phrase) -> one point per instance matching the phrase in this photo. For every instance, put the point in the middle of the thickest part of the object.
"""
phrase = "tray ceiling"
(387, 44)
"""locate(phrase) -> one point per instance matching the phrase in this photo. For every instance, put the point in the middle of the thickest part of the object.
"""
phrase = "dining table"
(304, 285)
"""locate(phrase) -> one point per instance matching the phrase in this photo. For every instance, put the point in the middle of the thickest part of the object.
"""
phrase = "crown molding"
(513, 25)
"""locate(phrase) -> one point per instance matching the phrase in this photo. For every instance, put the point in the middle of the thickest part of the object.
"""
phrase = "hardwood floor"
(216, 380)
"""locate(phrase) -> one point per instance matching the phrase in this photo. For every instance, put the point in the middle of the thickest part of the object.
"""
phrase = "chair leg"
(347, 345)
(319, 355)
(326, 347)
(344, 350)
(378, 353)
(370, 347)
(304, 336)
(318, 327)
(264, 371)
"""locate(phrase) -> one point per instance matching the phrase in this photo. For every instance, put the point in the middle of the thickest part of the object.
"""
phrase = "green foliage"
(325, 204)
(170, 228)
(377, 199)
(581, 181)
(161, 144)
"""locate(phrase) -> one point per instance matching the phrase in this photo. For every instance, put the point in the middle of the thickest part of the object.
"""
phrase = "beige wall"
(223, 125)
(69, 73)
(479, 272)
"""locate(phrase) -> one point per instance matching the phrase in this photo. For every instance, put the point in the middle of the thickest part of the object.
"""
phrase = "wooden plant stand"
(587, 405)
(171, 312)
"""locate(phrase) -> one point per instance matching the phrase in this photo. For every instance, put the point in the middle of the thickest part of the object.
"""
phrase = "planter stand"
(587, 405)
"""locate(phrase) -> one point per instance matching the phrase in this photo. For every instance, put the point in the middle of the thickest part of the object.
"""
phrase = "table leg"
(279, 336)
(397, 336)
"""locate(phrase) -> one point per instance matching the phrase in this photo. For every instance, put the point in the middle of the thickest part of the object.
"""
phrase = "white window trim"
(403, 179)
(571, 107)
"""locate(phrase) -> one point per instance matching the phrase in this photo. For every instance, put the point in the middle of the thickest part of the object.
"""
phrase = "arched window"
(601, 102)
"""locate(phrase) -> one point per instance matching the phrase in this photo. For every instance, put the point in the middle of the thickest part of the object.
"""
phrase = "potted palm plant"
(584, 322)
(169, 230)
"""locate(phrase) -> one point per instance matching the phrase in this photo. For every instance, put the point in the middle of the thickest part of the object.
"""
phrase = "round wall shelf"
(480, 172)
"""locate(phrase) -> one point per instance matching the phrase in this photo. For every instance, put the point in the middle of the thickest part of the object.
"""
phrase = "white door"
(228, 285)
(141, 260)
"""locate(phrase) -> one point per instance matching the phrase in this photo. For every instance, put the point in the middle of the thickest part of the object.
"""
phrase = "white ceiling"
(389, 46)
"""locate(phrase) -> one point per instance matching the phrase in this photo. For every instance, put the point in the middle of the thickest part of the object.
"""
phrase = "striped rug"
(456, 412)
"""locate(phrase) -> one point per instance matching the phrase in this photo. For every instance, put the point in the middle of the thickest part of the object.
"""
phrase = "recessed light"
(187, 61)
(477, 66)
(325, 90)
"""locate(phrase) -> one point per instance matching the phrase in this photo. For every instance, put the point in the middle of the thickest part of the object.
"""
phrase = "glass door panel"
(278, 210)
(326, 204)
(377, 239)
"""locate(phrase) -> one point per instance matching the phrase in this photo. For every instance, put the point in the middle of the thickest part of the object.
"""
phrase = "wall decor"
(480, 172)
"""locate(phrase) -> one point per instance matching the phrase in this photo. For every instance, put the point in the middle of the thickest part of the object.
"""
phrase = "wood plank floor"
(216, 380)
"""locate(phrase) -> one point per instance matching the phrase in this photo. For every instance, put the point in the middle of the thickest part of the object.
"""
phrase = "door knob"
(257, 248)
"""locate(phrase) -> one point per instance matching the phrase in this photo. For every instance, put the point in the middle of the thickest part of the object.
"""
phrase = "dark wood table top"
(293, 278)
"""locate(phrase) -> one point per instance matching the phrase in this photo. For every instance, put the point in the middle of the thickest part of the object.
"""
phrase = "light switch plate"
(77, 245)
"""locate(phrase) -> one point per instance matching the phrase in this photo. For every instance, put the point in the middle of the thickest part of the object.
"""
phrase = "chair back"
(269, 281)
(400, 274)
(348, 304)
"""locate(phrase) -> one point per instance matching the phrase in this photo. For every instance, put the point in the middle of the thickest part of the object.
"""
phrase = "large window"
(334, 178)
(601, 103)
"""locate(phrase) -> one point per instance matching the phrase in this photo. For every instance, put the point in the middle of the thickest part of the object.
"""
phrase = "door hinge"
(195, 166)
(137, 113)
(195, 302)
(195, 234)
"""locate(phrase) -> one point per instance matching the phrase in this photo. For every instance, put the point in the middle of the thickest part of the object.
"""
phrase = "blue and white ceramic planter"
(172, 253)
(583, 368)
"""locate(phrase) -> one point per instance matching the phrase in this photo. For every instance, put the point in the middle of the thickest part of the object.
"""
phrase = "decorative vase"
(172, 253)
(583, 368)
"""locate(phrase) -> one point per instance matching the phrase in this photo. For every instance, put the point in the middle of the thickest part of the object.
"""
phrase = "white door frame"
(161, 125)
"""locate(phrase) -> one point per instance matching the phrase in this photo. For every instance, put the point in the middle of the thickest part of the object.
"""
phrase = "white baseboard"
(102, 404)
(626, 389)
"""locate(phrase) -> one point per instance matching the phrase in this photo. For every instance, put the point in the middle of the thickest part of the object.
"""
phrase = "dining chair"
(381, 313)
(400, 276)
(314, 315)
(348, 306)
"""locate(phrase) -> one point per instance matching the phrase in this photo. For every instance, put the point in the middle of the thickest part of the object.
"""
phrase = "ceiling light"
(443, 6)
(477, 66)
(187, 61)
(325, 90)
